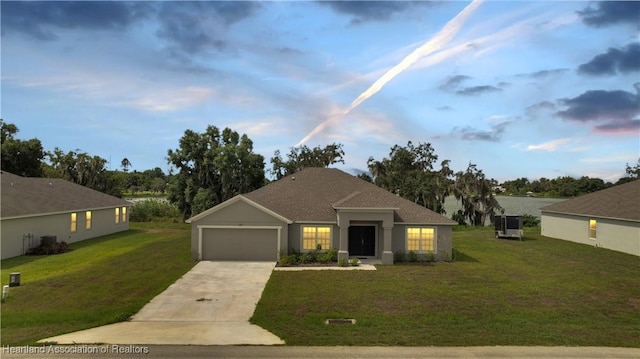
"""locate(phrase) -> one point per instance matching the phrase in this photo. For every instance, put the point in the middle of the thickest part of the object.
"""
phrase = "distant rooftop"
(618, 202)
(30, 196)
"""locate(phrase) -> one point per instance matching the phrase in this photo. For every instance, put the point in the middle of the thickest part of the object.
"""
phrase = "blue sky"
(522, 89)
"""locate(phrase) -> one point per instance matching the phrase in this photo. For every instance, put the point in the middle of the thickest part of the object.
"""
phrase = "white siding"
(617, 235)
(14, 231)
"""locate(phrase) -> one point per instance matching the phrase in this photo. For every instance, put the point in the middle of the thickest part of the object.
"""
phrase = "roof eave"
(590, 215)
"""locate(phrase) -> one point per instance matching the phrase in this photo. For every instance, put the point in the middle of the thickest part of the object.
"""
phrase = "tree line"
(564, 186)
(211, 167)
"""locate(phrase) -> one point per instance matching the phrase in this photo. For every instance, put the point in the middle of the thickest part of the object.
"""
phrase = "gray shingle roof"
(619, 202)
(28, 196)
(313, 194)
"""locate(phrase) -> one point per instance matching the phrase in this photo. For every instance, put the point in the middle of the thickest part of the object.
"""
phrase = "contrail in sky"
(440, 39)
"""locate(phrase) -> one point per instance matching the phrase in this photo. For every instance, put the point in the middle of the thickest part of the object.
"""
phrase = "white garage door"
(240, 244)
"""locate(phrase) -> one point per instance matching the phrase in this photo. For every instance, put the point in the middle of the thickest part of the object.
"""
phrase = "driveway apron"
(210, 305)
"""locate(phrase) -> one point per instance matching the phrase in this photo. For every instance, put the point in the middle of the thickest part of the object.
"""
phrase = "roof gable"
(618, 202)
(238, 198)
(32, 196)
(313, 194)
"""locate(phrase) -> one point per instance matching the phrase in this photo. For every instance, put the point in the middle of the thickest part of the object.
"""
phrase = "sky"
(519, 88)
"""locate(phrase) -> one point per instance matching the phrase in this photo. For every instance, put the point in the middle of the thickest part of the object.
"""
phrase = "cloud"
(40, 19)
(534, 111)
(365, 11)
(549, 146)
(544, 73)
(478, 90)
(171, 100)
(613, 61)
(493, 135)
(198, 26)
(453, 82)
(611, 12)
(615, 110)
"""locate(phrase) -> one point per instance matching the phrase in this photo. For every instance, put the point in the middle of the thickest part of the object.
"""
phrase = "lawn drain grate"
(340, 321)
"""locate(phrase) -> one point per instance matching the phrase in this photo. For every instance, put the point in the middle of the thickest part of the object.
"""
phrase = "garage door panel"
(240, 244)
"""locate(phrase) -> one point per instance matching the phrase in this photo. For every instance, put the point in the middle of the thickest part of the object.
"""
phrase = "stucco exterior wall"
(238, 213)
(617, 235)
(14, 231)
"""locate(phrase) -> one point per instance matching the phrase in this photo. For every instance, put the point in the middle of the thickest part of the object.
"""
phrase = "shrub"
(328, 256)
(399, 256)
(354, 262)
(153, 209)
(529, 220)
(342, 262)
(413, 256)
(50, 248)
(429, 256)
(304, 258)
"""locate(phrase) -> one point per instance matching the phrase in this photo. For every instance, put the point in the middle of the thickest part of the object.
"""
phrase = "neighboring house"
(319, 206)
(35, 207)
(609, 218)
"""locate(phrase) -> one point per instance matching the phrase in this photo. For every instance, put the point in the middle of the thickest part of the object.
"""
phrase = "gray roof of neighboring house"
(313, 194)
(30, 196)
(619, 202)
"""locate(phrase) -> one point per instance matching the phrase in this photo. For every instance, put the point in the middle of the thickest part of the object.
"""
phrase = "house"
(31, 208)
(319, 207)
(609, 218)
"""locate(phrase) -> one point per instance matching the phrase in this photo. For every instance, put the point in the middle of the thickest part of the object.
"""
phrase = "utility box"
(14, 279)
(509, 226)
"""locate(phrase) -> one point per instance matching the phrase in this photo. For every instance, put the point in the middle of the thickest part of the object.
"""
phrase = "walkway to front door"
(362, 241)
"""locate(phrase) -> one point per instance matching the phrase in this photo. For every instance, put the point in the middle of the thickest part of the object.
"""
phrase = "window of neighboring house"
(117, 215)
(74, 221)
(421, 239)
(124, 214)
(312, 236)
(592, 228)
(88, 222)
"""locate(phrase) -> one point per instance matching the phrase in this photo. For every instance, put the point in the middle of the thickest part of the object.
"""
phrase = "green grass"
(102, 281)
(538, 291)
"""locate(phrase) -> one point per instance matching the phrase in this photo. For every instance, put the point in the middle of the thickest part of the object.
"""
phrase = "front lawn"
(538, 291)
(102, 281)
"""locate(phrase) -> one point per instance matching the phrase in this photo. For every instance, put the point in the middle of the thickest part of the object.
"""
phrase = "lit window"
(88, 216)
(74, 222)
(420, 239)
(124, 214)
(117, 215)
(314, 236)
(592, 228)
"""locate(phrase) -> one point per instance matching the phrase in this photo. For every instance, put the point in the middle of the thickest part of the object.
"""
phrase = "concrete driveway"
(209, 305)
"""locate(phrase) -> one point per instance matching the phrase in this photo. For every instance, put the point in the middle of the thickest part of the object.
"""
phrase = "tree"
(212, 167)
(125, 164)
(84, 169)
(23, 158)
(409, 172)
(632, 173)
(474, 191)
(299, 158)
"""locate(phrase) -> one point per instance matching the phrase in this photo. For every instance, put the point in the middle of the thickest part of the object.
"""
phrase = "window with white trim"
(124, 214)
(592, 228)
(74, 222)
(117, 215)
(421, 239)
(312, 236)
(88, 220)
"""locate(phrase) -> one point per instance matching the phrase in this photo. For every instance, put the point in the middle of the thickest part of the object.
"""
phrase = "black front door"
(362, 241)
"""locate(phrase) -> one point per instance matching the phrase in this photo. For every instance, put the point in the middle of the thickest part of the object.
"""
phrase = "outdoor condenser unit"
(508, 226)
